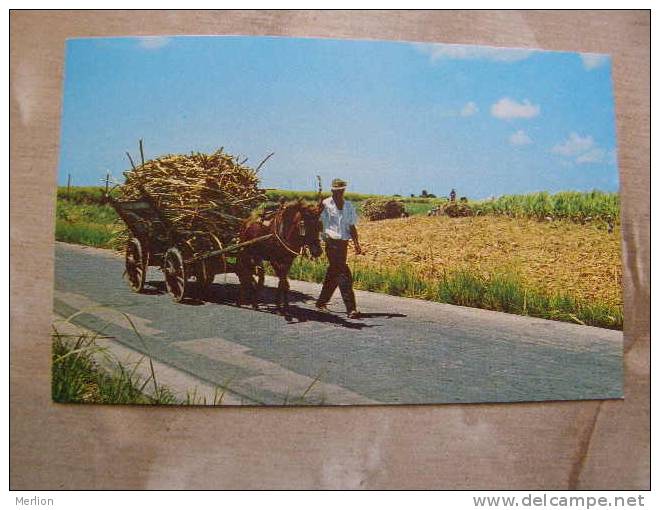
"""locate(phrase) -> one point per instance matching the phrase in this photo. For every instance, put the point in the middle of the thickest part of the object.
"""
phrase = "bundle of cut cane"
(197, 192)
(375, 209)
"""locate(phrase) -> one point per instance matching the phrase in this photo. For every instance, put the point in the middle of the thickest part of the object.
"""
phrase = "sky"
(388, 117)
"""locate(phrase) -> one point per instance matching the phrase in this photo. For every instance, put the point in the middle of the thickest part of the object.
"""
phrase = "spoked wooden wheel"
(175, 274)
(136, 264)
(204, 276)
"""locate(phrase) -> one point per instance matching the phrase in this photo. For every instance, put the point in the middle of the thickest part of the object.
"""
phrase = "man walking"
(339, 218)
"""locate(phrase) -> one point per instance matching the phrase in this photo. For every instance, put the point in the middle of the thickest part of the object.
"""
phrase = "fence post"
(68, 186)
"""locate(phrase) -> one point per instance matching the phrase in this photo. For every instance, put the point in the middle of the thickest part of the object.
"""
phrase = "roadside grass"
(85, 223)
(78, 377)
(88, 234)
(502, 291)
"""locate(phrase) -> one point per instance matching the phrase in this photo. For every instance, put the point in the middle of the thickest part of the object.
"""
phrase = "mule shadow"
(227, 294)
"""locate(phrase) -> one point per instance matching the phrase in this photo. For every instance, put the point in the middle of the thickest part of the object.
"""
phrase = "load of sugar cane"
(196, 193)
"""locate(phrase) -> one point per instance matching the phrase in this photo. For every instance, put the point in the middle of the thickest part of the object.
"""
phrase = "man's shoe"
(322, 307)
(353, 314)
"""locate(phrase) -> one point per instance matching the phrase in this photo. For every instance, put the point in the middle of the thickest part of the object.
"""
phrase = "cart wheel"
(260, 273)
(136, 264)
(204, 278)
(175, 274)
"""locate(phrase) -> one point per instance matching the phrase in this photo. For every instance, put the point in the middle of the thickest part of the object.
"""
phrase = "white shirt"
(336, 222)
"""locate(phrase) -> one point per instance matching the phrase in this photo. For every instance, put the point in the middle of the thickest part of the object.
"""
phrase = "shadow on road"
(226, 294)
(389, 315)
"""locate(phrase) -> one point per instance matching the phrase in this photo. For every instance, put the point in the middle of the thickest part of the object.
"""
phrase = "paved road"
(403, 351)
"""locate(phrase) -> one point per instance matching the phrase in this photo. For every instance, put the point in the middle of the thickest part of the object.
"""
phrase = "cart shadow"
(227, 294)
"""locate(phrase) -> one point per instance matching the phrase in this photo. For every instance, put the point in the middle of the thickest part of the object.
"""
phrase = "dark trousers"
(338, 274)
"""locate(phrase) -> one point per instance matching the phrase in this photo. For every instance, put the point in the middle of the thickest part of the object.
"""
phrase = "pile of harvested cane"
(455, 209)
(375, 209)
(197, 192)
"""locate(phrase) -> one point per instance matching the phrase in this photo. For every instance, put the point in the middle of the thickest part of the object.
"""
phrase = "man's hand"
(358, 249)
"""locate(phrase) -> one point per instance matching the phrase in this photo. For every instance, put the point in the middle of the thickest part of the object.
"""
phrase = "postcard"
(286, 221)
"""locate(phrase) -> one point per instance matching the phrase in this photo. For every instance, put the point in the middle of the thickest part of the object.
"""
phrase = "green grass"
(421, 207)
(83, 223)
(275, 194)
(88, 234)
(503, 292)
(81, 194)
(570, 205)
(77, 378)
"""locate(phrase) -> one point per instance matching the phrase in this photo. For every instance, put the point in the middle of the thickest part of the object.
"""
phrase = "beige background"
(548, 445)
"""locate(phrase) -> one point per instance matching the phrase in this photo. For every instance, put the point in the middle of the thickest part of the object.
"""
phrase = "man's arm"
(353, 230)
(356, 241)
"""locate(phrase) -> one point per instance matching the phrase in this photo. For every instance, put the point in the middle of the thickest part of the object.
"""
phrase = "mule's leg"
(258, 278)
(285, 290)
(282, 271)
(246, 288)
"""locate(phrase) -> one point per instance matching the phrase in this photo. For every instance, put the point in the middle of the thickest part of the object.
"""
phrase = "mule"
(292, 228)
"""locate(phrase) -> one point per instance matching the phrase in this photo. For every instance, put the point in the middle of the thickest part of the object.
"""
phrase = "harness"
(276, 231)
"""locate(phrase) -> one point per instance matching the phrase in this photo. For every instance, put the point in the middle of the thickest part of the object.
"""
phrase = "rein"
(276, 229)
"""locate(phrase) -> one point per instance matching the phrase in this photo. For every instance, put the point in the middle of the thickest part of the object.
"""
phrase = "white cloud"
(153, 42)
(469, 109)
(596, 155)
(574, 146)
(507, 108)
(593, 60)
(463, 52)
(520, 138)
(583, 150)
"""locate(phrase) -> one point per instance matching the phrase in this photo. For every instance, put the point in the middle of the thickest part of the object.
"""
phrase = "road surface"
(402, 351)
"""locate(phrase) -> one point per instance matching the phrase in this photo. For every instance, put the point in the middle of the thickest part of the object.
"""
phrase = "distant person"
(339, 218)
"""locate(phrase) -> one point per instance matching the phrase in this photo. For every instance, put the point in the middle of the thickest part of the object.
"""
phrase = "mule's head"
(310, 228)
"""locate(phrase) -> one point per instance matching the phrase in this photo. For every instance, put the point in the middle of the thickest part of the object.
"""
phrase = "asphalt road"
(402, 351)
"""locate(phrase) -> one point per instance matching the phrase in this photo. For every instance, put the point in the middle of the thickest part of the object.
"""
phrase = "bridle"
(295, 224)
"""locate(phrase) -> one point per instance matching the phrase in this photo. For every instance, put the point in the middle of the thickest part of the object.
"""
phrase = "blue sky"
(389, 117)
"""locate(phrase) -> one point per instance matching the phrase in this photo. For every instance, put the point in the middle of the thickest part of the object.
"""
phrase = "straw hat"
(338, 184)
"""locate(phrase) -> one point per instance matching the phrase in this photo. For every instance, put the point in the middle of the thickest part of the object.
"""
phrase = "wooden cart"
(190, 260)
